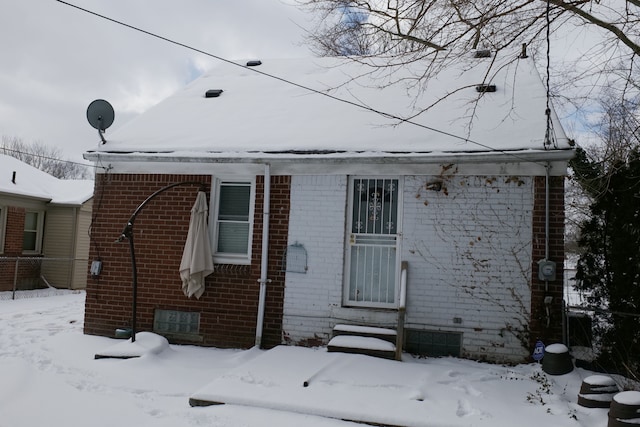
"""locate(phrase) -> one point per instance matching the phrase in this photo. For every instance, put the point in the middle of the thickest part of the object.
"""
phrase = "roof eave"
(515, 156)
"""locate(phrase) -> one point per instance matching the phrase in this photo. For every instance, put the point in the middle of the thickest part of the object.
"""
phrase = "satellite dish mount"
(100, 115)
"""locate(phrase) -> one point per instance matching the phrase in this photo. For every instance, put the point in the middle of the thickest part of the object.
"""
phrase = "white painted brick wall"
(317, 221)
(468, 248)
(469, 253)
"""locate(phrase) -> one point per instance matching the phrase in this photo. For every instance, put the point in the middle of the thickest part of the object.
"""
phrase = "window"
(33, 223)
(180, 324)
(233, 222)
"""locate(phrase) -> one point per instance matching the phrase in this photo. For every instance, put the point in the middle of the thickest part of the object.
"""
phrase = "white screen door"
(373, 242)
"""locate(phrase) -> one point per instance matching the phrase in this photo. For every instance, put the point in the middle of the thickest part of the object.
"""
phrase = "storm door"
(372, 247)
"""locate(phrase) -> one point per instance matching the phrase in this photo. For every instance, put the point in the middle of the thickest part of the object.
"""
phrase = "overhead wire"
(40, 156)
(549, 137)
(301, 86)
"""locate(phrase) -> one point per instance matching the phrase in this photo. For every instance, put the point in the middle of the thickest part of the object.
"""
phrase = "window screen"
(234, 217)
(31, 224)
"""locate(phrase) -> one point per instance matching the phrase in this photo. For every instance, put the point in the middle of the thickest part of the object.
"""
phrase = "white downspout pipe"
(265, 254)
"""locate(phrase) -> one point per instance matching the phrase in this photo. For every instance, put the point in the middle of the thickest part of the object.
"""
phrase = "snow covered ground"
(48, 376)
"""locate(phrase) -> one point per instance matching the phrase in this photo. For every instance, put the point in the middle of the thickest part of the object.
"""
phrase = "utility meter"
(546, 270)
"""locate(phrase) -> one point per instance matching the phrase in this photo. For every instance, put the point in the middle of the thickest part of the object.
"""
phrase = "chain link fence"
(29, 273)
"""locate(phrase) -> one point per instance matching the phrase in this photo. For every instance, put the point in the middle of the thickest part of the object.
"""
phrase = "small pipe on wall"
(265, 254)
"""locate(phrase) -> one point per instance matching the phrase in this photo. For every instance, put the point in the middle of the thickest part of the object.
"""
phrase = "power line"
(4, 149)
(318, 92)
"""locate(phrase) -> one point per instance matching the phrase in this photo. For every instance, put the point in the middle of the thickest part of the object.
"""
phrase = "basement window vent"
(482, 53)
(433, 343)
(176, 323)
(213, 93)
(254, 63)
(483, 88)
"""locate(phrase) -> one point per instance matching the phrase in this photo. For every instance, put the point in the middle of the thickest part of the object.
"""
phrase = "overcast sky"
(56, 59)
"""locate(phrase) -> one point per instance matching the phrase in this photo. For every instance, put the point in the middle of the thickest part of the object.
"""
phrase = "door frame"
(350, 239)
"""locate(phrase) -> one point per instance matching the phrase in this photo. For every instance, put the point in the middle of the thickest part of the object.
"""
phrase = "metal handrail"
(402, 309)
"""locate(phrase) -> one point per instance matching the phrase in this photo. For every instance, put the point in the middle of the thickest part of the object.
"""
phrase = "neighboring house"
(44, 228)
(467, 194)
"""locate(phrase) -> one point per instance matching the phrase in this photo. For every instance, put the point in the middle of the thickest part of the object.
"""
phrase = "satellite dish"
(100, 115)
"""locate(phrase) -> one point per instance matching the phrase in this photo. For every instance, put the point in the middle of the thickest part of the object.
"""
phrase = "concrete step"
(372, 341)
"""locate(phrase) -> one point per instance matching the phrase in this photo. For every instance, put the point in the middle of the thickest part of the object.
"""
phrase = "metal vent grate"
(433, 343)
(213, 93)
(482, 88)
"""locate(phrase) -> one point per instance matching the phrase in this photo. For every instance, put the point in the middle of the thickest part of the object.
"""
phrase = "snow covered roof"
(269, 109)
(21, 179)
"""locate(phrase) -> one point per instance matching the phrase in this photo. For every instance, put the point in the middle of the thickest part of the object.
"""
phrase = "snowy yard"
(48, 376)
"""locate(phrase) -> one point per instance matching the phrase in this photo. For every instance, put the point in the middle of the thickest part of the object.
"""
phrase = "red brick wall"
(551, 333)
(229, 305)
(28, 271)
(14, 237)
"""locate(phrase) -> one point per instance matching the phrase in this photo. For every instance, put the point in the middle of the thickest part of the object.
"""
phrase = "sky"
(56, 59)
(50, 377)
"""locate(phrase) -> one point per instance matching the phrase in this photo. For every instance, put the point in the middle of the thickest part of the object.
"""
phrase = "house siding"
(469, 248)
(81, 264)
(228, 307)
(66, 244)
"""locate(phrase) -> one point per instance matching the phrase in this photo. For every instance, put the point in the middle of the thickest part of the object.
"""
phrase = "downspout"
(265, 254)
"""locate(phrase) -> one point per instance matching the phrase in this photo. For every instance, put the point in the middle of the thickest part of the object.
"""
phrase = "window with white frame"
(232, 221)
(33, 225)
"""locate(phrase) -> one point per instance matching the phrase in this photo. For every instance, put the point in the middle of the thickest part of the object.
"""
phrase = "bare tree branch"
(408, 30)
(40, 156)
(617, 32)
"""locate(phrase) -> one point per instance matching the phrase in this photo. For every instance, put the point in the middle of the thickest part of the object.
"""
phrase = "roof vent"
(213, 93)
(254, 63)
(482, 53)
(482, 88)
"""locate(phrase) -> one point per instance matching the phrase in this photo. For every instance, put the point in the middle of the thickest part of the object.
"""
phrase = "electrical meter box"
(546, 270)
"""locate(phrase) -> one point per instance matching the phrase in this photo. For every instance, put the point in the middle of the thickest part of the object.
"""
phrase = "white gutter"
(516, 156)
(265, 254)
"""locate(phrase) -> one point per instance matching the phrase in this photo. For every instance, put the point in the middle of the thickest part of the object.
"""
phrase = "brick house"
(44, 224)
(465, 197)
